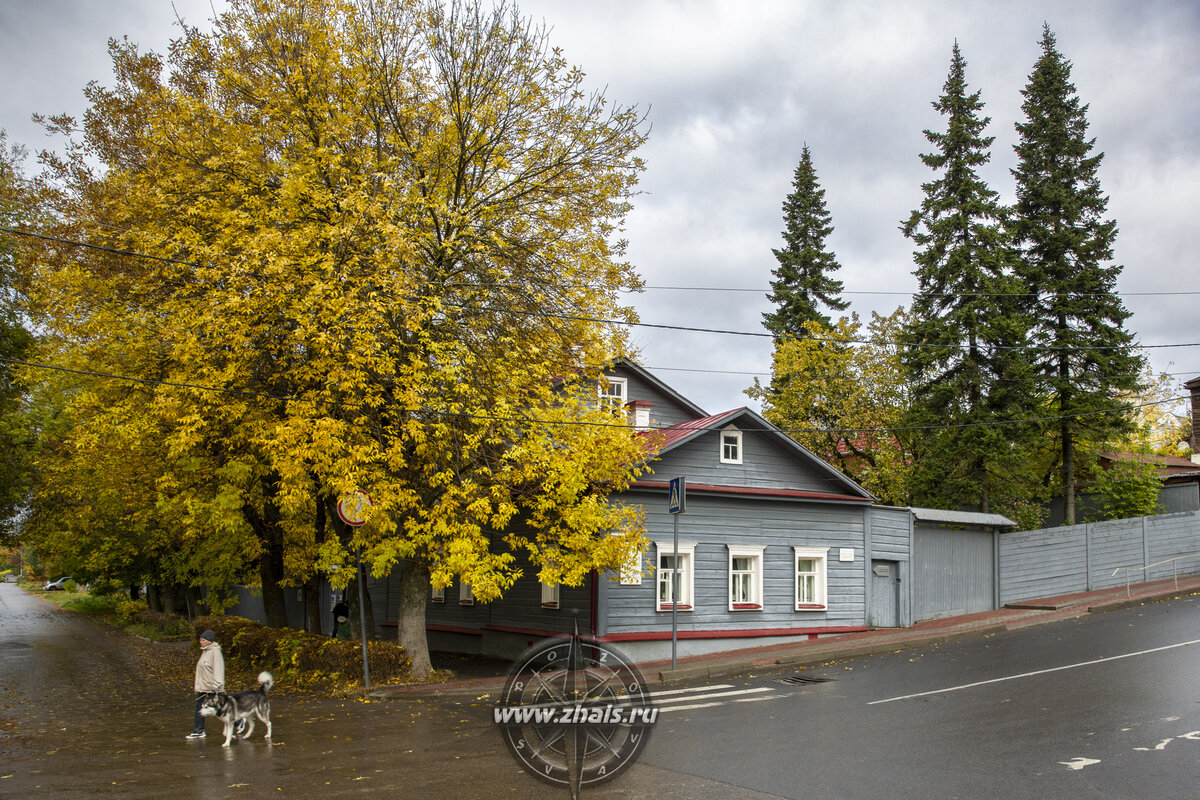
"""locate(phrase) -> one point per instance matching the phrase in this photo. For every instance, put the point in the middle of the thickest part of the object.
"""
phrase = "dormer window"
(613, 392)
(731, 446)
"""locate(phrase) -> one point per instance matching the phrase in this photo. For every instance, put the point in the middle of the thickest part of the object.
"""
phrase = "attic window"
(613, 392)
(731, 446)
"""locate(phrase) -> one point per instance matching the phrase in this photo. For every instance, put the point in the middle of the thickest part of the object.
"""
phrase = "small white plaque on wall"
(845, 554)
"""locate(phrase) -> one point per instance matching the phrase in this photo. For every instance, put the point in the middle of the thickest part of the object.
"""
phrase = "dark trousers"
(198, 727)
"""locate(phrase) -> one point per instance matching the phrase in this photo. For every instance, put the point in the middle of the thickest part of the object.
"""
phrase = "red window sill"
(747, 607)
(549, 605)
(810, 607)
(667, 607)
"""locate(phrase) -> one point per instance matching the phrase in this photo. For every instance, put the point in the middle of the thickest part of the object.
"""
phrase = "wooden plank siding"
(712, 524)
(1043, 563)
(953, 571)
(766, 462)
(665, 410)
(1079, 558)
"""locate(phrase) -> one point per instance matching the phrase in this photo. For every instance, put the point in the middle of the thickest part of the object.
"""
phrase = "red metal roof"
(760, 491)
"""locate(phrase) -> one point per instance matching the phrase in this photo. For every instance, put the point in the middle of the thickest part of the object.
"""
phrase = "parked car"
(56, 586)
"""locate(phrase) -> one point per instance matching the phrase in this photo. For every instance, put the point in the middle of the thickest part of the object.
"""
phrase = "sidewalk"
(482, 676)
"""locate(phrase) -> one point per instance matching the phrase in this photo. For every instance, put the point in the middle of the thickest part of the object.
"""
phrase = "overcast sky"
(733, 90)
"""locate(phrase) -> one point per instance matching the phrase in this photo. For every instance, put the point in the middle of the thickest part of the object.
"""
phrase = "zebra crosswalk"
(696, 697)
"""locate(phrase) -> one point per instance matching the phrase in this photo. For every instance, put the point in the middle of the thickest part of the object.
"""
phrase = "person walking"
(210, 677)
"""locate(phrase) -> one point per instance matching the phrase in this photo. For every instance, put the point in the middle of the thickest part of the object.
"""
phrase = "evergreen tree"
(1085, 357)
(965, 321)
(802, 280)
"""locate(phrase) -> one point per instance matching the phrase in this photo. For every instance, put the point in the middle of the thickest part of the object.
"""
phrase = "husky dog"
(234, 708)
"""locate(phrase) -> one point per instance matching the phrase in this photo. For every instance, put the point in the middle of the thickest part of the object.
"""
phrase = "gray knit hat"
(208, 636)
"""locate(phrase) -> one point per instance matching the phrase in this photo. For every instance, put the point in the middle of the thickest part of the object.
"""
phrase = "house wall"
(1080, 558)
(1179, 497)
(888, 537)
(765, 463)
(506, 627)
(665, 410)
(712, 523)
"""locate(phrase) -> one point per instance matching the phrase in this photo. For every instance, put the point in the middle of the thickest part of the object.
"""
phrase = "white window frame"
(610, 400)
(687, 569)
(737, 445)
(755, 600)
(437, 594)
(820, 600)
(466, 595)
(550, 595)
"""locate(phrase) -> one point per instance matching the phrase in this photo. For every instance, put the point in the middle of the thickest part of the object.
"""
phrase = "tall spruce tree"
(802, 279)
(1085, 357)
(967, 372)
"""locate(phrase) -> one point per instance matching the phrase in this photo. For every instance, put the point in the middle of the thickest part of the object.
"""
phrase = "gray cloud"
(734, 89)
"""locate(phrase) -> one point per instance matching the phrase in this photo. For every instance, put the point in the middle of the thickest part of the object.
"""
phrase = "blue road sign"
(678, 496)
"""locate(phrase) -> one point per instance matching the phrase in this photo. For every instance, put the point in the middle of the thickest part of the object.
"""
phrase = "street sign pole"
(675, 597)
(352, 510)
(676, 503)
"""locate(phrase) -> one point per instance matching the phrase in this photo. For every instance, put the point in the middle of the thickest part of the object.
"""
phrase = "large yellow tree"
(384, 227)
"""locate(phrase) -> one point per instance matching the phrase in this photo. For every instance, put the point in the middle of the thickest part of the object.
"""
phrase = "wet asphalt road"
(1101, 706)
(84, 713)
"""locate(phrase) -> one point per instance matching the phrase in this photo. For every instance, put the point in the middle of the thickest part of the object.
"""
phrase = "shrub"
(70, 585)
(304, 659)
(102, 587)
(92, 606)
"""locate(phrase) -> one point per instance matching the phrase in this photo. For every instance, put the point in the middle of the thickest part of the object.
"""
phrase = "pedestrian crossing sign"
(678, 498)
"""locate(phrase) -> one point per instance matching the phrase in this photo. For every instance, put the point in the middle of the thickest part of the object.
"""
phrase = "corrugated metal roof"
(962, 517)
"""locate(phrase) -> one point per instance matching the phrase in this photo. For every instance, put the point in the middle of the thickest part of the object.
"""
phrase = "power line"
(737, 289)
(582, 423)
(655, 326)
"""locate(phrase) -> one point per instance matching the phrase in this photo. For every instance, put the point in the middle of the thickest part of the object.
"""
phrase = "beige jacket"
(210, 669)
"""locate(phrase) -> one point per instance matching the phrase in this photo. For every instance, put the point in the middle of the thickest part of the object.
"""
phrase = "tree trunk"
(267, 527)
(312, 605)
(154, 598)
(312, 587)
(196, 607)
(1068, 457)
(410, 628)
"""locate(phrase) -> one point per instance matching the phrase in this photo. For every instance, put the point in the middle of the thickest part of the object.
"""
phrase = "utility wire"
(909, 294)
(656, 326)
(564, 423)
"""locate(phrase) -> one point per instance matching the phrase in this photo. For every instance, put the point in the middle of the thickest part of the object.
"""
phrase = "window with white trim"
(613, 393)
(466, 595)
(438, 594)
(549, 595)
(666, 576)
(811, 578)
(745, 578)
(731, 446)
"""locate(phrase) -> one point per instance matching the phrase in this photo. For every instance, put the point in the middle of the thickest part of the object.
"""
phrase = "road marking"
(707, 693)
(1193, 736)
(693, 689)
(720, 703)
(1079, 762)
(1036, 672)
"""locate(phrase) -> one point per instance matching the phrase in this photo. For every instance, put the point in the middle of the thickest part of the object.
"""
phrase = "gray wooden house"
(774, 545)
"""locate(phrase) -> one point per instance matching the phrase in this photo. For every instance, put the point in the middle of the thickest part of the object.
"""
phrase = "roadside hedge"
(306, 660)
